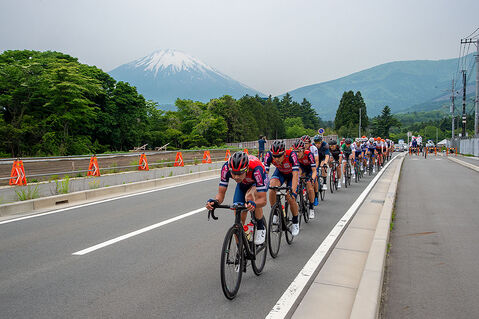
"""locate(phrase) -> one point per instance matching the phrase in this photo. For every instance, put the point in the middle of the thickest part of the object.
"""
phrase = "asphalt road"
(170, 272)
(434, 258)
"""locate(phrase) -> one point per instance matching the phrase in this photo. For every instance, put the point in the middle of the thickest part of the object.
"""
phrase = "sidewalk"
(433, 261)
(349, 283)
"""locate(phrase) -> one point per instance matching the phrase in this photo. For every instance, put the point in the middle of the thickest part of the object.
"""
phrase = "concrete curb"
(368, 297)
(468, 165)
(51, 202)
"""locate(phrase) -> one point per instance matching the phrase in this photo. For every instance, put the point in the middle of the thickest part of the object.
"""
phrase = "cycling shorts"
(346, 156)
(283, 177)
(358, 153)
(307, 171)
(241, 190)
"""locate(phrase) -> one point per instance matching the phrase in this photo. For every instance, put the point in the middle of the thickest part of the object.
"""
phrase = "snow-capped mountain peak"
(173, 61)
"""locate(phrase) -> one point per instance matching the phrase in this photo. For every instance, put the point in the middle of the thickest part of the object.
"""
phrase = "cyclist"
(336, 156)
(347, 150)
(323, 160)
(252, 185)
(358, 153)
(307, 165)
(371, 145)
(414, 144)
(287, 170)
(314, 149)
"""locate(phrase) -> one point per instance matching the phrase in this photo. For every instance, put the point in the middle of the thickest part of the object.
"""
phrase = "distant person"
(261, 142)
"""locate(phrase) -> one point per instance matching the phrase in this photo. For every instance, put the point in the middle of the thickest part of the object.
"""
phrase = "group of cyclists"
(308, 157)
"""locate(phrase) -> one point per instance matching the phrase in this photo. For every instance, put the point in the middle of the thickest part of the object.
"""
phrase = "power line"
(472, 33)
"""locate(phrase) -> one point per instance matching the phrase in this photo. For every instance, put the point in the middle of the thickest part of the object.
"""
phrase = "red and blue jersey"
(307, 162)
(255, 175)
(290, 162)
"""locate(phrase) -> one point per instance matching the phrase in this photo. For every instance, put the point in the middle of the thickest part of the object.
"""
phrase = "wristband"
(252, 203)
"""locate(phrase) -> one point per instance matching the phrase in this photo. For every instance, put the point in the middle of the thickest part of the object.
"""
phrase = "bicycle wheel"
(231, 262)
(348, 170)
(260, 252)
(346, 176)
(332, 180)
(289, 221)
(322, 192)
(306, 205)
(275, 230)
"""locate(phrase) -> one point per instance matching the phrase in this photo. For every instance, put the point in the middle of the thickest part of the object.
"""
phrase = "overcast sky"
(272, 46)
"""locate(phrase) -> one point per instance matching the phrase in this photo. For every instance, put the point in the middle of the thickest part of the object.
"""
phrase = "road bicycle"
(333, 179)
(370, 164)
(303, 197)
(280, 220)
(347, 177)
(238, 247)
(321, 191)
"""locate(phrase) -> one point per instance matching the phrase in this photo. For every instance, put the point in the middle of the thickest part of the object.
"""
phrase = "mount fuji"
(165, 75)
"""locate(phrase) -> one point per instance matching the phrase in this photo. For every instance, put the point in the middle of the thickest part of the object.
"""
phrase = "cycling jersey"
(314, 150)
(289, 164)
(307, 162)
(255, 176)
(347, 149)
(335, 153)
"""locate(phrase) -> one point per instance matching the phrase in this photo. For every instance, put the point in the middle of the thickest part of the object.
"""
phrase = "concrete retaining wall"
(8, 194)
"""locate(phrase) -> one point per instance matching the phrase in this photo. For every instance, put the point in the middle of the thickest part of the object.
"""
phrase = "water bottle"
(250, 231)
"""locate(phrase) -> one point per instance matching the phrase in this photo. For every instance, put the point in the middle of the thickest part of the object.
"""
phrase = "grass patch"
(63, 186)
(27, 192)
(94, 184)
(171, 174)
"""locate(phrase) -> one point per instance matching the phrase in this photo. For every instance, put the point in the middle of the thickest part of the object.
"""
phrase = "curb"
(287, 305)
(465, 164)
(45, 203)
(368, 297)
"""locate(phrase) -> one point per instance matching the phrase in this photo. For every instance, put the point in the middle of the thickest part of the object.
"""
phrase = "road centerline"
(136, 232)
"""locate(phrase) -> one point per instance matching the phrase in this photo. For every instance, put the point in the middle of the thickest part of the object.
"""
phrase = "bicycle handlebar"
(211, 213)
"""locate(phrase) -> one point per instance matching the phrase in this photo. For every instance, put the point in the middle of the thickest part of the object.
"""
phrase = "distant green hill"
(401, 85)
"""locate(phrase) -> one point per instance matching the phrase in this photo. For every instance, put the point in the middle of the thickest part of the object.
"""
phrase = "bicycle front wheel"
(289, 222)
(231, 262)
(275, 230)
(260, 252)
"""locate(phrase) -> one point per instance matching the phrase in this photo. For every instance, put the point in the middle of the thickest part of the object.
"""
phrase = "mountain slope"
(165, 75)
(397, 84)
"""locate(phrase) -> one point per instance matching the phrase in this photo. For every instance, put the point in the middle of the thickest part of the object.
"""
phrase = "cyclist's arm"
(220, 197)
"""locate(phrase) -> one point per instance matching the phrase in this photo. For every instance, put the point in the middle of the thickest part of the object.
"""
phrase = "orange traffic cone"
(143, 165)
(227, 155)
(206, 157)
(179, 159)
(93, 168)
(18, 177)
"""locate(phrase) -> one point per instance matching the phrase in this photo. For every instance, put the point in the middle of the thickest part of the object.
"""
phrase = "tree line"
(51, 104)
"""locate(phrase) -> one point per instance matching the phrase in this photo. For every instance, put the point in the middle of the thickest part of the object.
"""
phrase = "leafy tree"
(347, 114)
(382, 123)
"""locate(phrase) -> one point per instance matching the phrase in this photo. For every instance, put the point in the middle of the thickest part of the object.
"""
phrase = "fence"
(289, 142)
(468, 146)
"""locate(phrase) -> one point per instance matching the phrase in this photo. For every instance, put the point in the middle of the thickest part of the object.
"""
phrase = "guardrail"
(43, 168)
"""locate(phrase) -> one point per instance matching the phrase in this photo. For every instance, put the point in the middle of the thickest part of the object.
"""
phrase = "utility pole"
(452, 108)
(476, 103)
(359, 123)
(464, 104)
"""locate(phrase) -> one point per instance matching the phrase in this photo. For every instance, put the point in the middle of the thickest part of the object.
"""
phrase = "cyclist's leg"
(292, 202)
(276, 180)
(239, 198)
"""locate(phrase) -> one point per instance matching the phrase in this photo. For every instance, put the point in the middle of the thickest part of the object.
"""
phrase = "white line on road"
(137, 232)
(105, 200)
(290, 299)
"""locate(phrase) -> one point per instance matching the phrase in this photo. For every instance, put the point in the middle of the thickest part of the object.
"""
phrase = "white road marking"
(104, 201)
(296, 290)
(137, 232)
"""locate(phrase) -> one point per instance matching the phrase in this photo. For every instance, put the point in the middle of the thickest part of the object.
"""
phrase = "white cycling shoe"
(339, 185)
(311, 213)
(295, 229)
(259, 236)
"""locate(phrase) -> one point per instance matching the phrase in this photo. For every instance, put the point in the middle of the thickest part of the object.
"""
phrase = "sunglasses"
(237, 173)
(278, 156)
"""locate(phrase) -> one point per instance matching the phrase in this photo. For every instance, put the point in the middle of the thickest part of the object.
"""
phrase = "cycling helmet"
(371, 140)
(364, 137)
(238, 163)
(298, 145)
(317, 138)
(306, 139)
(348, 141)
(278, 148)
(333, 142)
